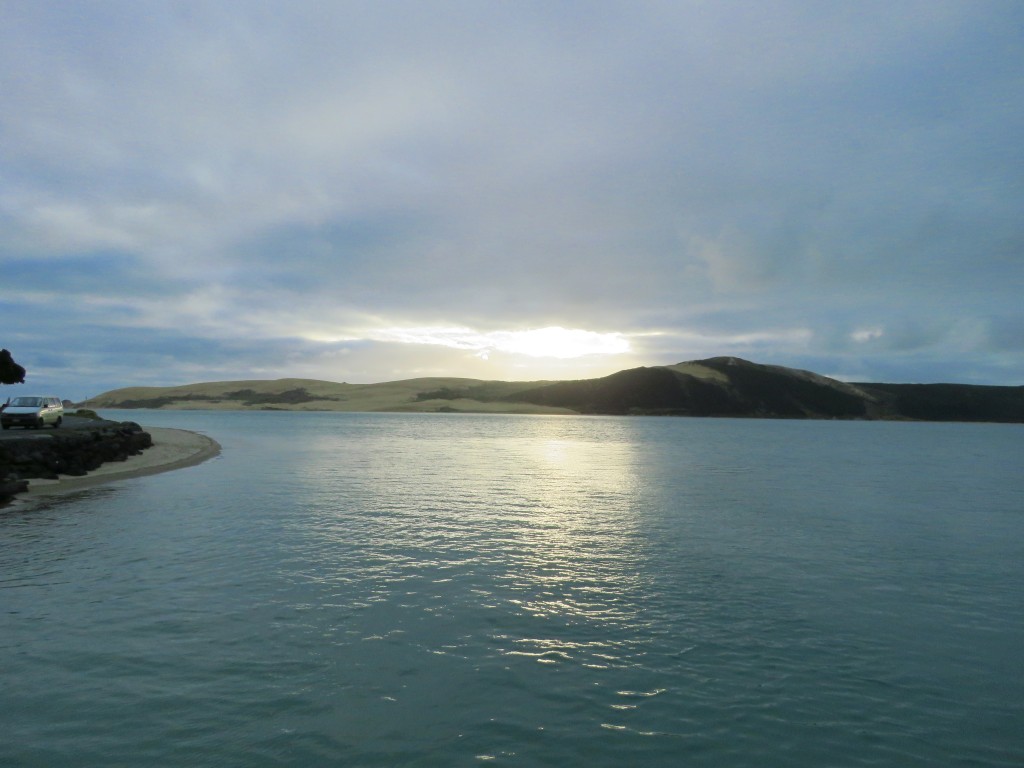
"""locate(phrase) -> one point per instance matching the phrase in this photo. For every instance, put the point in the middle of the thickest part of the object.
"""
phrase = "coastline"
(172, 449)
(727, 387)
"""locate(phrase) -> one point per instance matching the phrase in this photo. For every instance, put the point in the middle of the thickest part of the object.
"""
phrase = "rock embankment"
(66, 452)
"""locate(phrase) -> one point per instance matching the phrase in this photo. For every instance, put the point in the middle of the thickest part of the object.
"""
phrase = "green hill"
(718, 386)
(426, 394)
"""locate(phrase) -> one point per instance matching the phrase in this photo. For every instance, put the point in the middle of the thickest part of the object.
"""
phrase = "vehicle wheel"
(58, 421)
(40, 424)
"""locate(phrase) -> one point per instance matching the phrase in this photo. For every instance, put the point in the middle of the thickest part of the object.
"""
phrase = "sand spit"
(171, 449)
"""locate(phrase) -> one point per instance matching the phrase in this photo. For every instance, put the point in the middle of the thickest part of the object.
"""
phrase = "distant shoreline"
(719, 386)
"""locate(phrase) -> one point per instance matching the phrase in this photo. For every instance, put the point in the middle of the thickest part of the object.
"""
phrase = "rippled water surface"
(436, 590)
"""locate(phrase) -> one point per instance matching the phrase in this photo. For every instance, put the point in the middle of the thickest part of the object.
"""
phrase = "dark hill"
(730, 386)
(950, 402)
(638, 390)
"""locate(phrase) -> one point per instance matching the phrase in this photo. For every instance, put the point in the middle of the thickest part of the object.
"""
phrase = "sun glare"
(551, 342)
(561, 343)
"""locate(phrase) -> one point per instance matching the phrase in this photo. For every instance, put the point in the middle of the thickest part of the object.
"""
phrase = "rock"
(68, 452)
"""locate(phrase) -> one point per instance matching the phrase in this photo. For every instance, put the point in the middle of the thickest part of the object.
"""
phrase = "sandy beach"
(171, 449)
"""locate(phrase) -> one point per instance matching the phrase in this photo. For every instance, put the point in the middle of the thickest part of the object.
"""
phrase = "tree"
(10, 371)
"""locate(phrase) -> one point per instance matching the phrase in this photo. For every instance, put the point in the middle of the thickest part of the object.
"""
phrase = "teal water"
(437, 590)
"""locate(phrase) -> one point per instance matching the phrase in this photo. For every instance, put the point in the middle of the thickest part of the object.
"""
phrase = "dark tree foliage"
(955, 402)
(10, 371)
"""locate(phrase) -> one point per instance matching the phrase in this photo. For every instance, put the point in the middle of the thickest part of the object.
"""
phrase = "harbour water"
(459, 590)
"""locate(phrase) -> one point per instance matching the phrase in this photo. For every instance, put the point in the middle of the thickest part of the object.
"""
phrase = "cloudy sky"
(372, 191)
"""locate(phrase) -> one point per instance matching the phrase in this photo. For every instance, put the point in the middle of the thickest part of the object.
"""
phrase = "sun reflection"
(534, 522)
(573, 566)
(577, 553)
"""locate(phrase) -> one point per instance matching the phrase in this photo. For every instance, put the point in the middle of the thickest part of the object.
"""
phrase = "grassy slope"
(315, 395)
(721, 386)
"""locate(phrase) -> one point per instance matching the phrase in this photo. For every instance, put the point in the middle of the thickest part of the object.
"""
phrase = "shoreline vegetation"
(718, 386)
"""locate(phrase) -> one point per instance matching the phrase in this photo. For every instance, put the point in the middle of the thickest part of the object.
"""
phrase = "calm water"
(431, 590)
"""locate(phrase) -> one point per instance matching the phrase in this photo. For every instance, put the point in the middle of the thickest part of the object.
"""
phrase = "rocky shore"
(66, 452)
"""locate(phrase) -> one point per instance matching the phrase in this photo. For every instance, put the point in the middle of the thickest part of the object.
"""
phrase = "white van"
(32, 412)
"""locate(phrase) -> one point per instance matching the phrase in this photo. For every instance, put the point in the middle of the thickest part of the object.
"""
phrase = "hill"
(718, 386)
(730, 386)
(425, 395)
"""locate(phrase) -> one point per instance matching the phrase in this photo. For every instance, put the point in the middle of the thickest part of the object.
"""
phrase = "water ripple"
(407, 590)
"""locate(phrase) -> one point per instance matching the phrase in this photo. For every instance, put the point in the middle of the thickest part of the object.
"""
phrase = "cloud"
(561, 343)
(779, 182)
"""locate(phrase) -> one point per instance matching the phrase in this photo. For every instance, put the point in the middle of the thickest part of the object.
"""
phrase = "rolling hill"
(718, 386)
(425, 395)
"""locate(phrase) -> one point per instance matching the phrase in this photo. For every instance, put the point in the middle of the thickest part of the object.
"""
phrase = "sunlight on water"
(359, 589)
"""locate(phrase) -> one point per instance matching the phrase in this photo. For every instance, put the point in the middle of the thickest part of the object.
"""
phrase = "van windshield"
(31, 402)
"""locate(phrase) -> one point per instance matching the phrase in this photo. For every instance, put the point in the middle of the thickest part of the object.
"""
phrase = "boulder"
(66, 452)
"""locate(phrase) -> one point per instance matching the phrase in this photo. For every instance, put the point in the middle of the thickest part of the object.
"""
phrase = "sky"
(375, 191)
